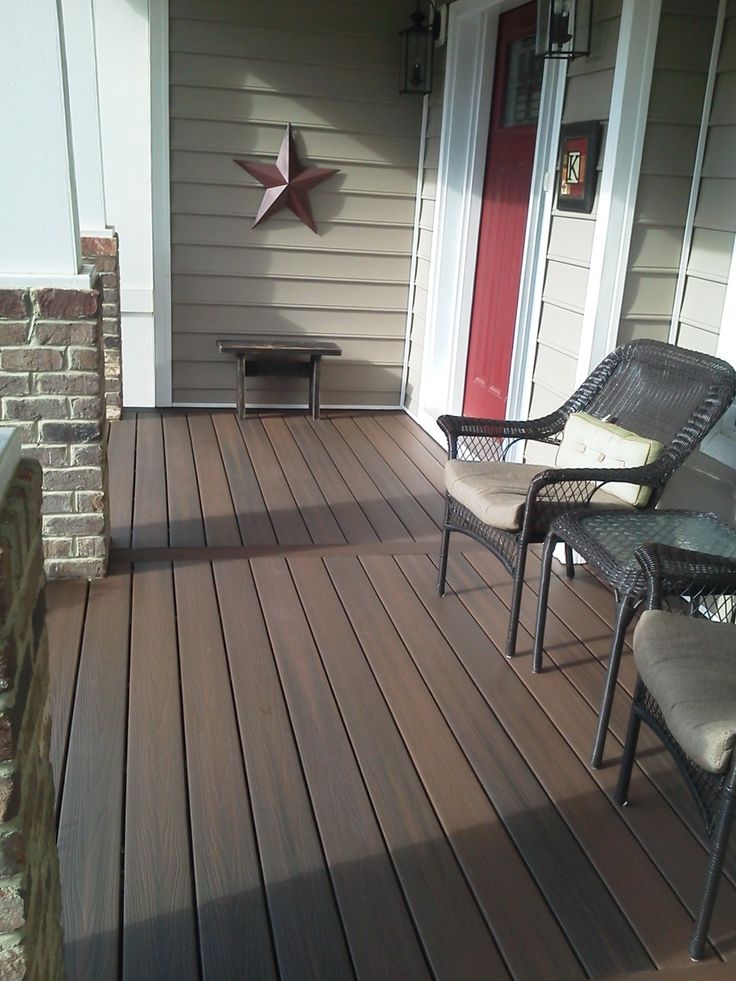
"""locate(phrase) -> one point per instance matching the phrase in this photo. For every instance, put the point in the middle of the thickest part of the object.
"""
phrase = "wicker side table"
(607, 540)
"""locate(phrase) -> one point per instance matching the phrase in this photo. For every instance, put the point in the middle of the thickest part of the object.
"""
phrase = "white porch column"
(84, 114)
(39, 229)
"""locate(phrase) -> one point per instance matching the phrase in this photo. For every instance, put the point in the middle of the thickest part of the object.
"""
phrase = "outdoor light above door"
(563, 28)
(417, 50)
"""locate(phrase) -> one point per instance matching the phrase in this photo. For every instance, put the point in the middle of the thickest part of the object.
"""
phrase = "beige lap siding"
(239, 74)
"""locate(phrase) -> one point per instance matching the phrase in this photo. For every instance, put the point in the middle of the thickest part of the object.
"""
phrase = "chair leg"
(519, 571)
(544, 579)
(623, 619)
(444, 549)
(719, 843)
(569, 564)
(621, 793)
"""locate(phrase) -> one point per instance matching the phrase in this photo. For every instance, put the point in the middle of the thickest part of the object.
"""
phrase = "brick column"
(51, 384)
(102, 253)
(30, 894)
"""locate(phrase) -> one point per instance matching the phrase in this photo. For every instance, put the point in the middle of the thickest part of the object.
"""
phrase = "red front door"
(516, 91)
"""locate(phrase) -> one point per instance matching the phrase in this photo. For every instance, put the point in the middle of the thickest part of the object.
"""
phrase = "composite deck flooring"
(280, 755)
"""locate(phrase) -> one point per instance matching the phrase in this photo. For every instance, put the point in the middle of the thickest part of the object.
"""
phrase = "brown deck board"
(411, 513)
(446, 914)
(150, 517)
(121, 475)
(328, 771)
(310, 501)
(287, 522)
(536, 827)
(90, 821)
(66, 606)
(306, 924)
(623, 864)
(489, 860)
(355, 526)
(670, 845)
(159, 934)
(185, 510)
(425, 461)
(384, 943)
(220, 524)
(419, 486)
(382, 517)
(234, 936)
(250, 508)
(438, 450)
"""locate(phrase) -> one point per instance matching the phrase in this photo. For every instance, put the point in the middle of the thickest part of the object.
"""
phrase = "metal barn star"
(286, 182)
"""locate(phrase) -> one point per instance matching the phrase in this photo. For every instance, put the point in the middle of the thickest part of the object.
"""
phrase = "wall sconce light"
(417, 50)
(563, 28)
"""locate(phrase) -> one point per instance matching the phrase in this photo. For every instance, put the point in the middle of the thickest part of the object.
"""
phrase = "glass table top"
(621, 532)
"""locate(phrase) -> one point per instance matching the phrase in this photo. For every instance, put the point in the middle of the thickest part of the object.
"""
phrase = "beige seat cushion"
(591, 442)
(496, 492)
(689, 666)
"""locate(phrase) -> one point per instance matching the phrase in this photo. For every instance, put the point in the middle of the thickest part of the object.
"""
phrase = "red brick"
(13, 303)
(31, 359)
(63, 304)
(94, 246)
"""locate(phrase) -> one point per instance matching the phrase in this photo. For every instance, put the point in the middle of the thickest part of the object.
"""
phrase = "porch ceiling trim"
(619, 182)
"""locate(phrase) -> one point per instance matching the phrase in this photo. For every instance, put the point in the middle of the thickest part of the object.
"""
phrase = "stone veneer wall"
(51, 387)
(30, 894)
(102, 253)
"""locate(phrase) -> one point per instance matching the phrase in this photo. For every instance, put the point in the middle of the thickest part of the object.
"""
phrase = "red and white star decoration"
(286, 182)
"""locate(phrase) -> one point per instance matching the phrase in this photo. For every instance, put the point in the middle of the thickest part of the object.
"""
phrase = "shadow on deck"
(279, 754)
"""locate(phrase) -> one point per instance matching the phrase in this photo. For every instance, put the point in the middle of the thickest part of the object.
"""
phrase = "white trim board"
(161, 190)
(619, 181)
(471, 55)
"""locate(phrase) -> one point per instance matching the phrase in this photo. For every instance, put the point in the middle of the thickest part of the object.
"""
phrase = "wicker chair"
(686, 692)
(656, 390)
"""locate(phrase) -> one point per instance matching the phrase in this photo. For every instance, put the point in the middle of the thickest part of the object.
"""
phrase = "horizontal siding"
(239, 73)
(587, 96)
(715, 215)
(675, 108)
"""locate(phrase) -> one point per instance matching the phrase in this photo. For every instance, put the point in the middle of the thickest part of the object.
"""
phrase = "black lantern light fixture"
(563, 28)
(417, 50)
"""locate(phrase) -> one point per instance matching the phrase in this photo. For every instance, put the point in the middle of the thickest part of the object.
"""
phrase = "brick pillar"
(30, 894)
(102, 253)
(51, 385)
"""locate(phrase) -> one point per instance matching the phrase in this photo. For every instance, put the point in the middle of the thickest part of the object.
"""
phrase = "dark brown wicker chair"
(678, 660)
(656, 390)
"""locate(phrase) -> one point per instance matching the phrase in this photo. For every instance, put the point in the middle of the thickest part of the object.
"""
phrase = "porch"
(279, 754)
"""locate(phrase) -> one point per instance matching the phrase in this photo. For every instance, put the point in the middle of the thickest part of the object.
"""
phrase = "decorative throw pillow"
(590, 442)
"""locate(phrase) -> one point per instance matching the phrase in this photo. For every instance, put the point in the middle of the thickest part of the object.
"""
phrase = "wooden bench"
(262, 355)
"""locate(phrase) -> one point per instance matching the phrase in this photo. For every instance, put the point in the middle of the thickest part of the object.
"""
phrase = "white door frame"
(471, 55)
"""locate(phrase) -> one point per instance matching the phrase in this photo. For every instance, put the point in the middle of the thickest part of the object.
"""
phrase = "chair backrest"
(660, 391)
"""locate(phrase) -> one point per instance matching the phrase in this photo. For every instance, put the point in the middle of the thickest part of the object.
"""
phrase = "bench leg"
(241, 387)
(314, 380)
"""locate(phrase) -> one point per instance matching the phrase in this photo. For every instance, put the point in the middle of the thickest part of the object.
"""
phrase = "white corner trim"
(619, 181)
(160, 186)
(697, 172)
(411, 292)
(471, 52)
(539, 219)
(721, 442)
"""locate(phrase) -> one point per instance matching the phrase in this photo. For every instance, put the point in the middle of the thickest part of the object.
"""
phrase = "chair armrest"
(650, 475)
(468, 428)
(674, 571)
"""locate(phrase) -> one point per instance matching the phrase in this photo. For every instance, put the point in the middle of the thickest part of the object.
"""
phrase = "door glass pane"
(523, 84)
